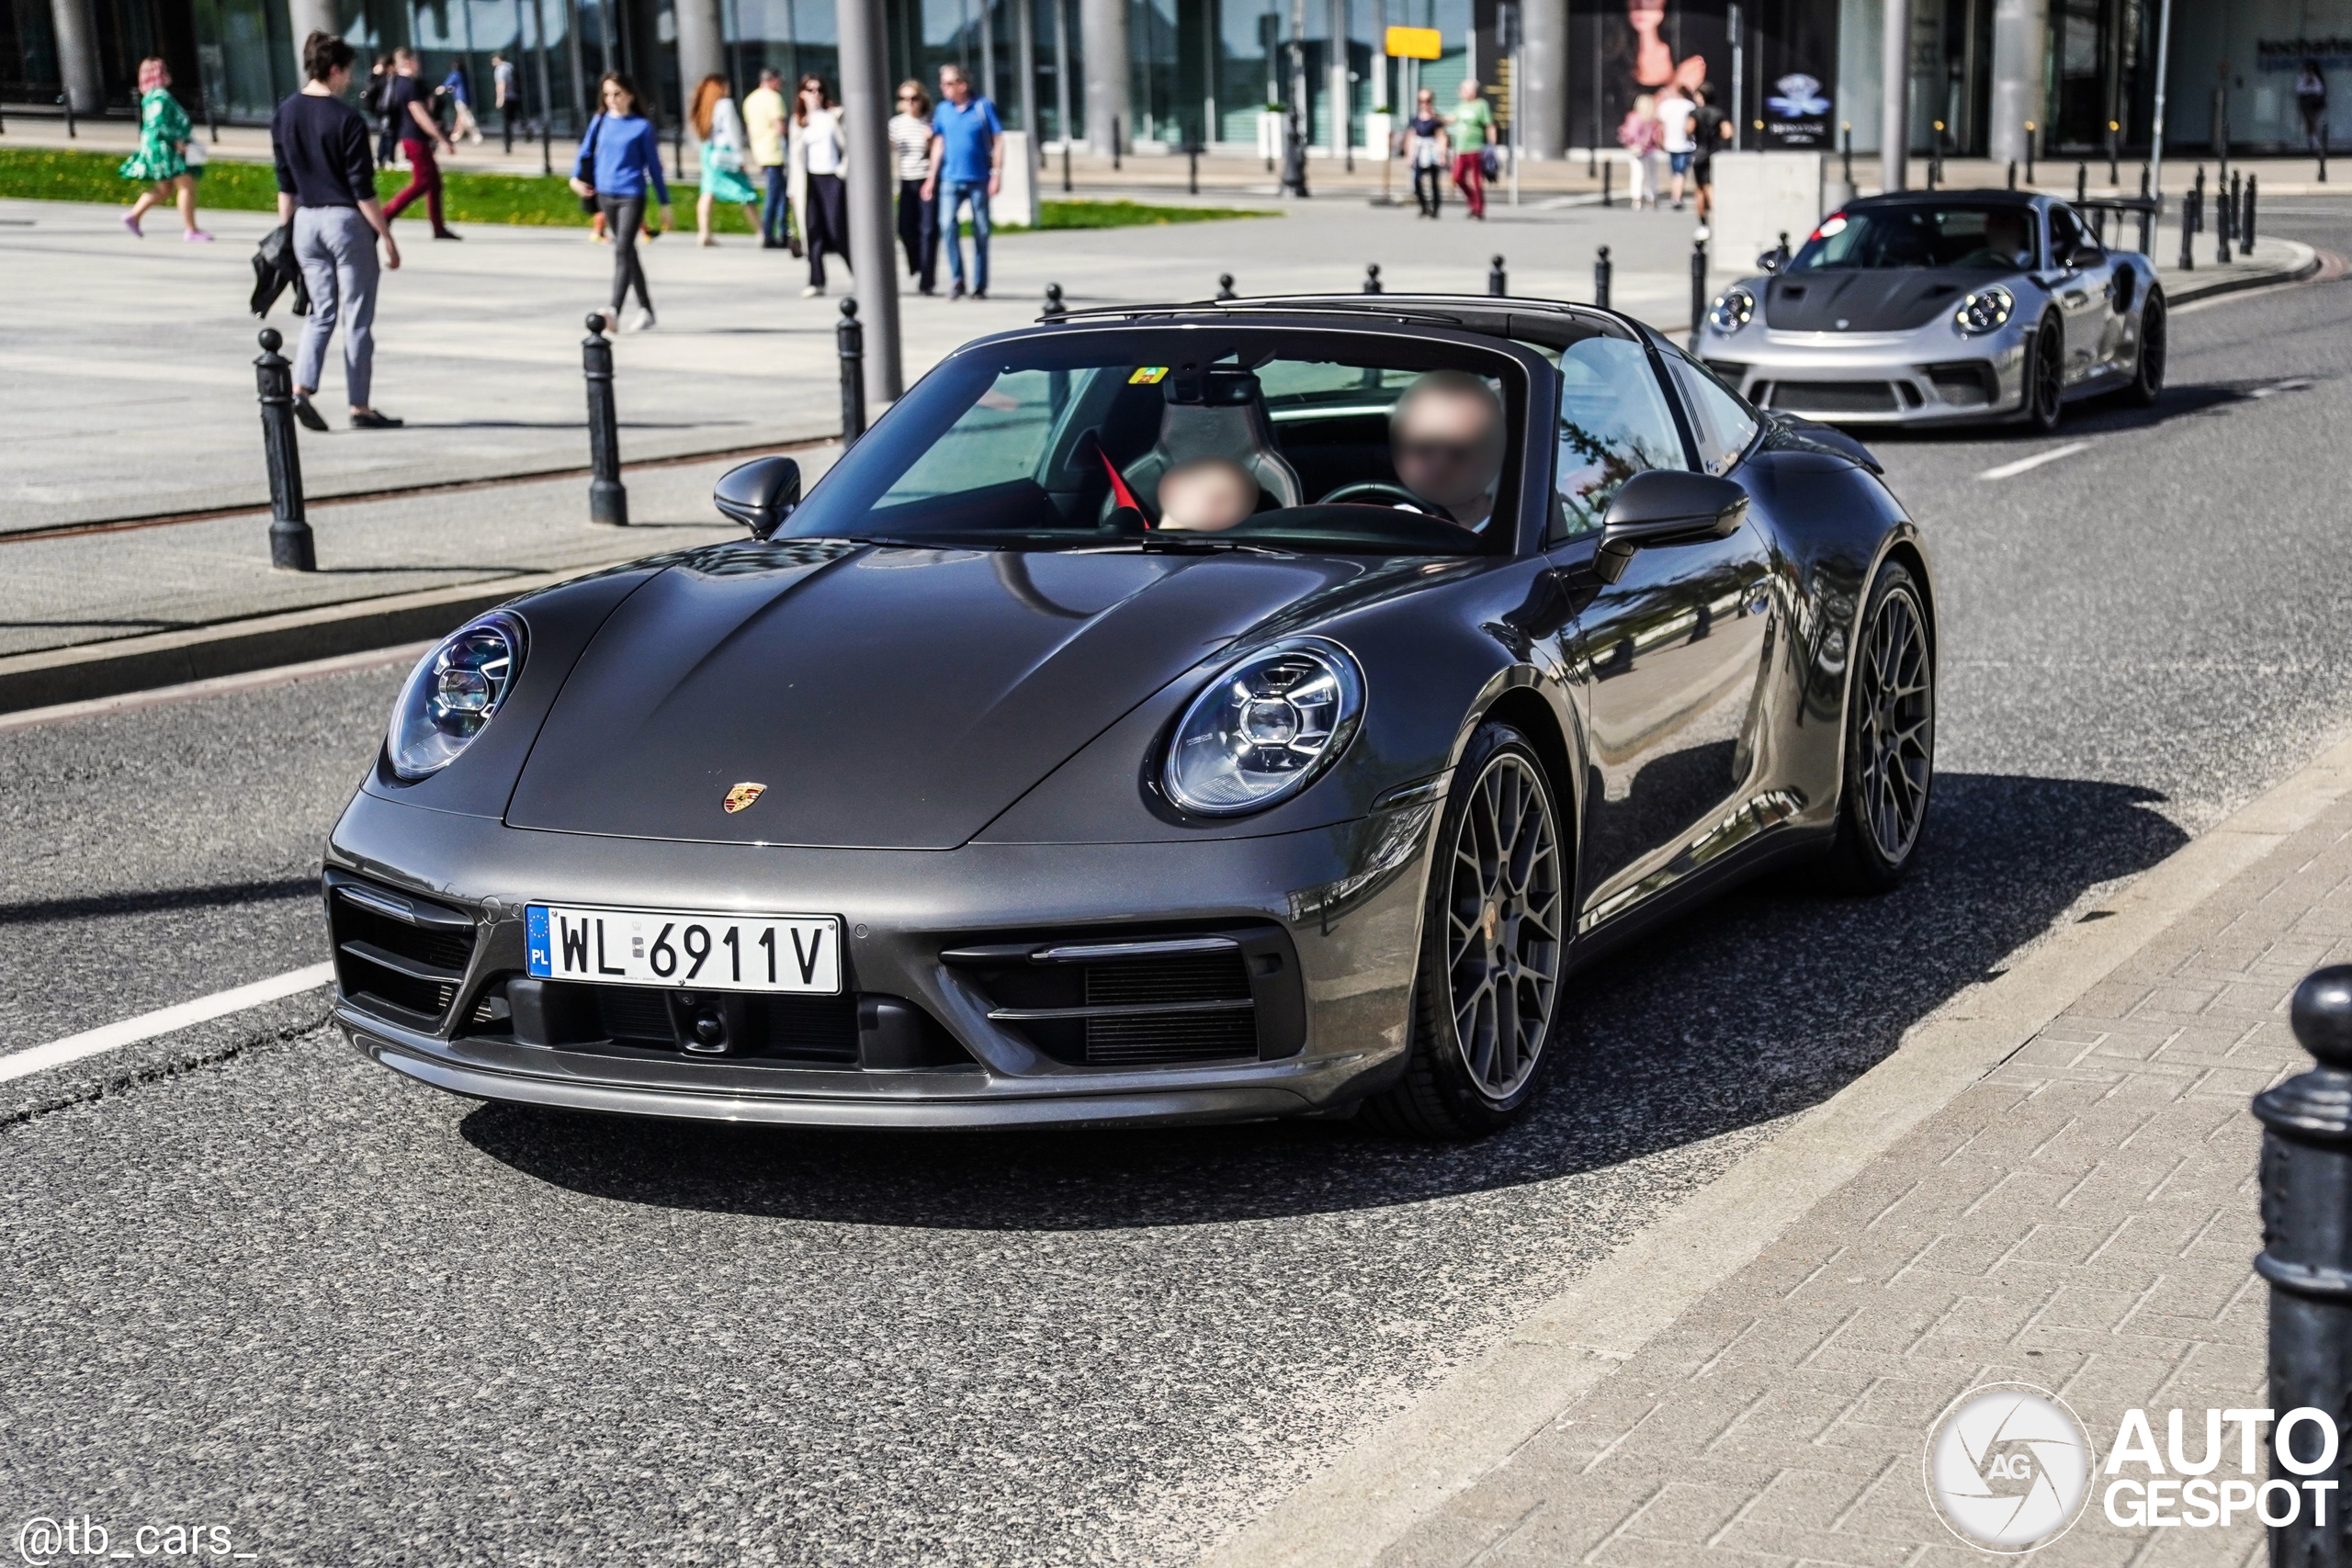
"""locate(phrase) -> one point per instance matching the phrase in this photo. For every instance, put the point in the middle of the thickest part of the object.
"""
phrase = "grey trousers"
(338, 253)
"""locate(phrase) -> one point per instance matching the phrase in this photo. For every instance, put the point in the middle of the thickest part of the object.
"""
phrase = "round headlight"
(1985, 310)
(454, 691)
(1265, 729)
(1733, 309)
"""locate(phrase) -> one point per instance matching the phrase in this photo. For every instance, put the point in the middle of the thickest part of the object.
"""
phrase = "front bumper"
(1341, 903)
(1931, 375)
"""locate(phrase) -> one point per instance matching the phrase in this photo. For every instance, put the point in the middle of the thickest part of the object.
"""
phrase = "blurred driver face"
(1446, 439)
(2005, 233)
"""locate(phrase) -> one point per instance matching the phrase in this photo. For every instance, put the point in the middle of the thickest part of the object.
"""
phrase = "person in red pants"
(1471, 129)
(418, 132)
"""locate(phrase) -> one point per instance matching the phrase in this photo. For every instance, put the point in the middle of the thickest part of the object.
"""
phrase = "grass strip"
(47, 175)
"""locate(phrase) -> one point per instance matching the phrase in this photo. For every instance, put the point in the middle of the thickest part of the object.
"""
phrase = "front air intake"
(1145, 1001)
(397, 954)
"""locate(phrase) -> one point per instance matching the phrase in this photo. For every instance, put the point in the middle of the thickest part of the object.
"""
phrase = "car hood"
(886, 698)
(1873, 299)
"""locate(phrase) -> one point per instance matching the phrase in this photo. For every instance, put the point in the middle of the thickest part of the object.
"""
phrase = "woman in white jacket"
(819, 158)
(725, 146)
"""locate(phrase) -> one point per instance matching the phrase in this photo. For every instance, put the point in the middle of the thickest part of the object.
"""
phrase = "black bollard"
(851, 337)
(2013, 173)
(678, 151)
(1606, 166)
(2245, 218)
(290, 546)
(2306, 1175)
(1497, 280)
(2225, 215)
(607, 500)
(2082, 181)
(1602, 270)
(546, 147)
(2322, 152)
(1225, 287)
(1372, 278)
(1697, 289)
(1193, 168)
(2114, 153)
(1065, 166)
(2192, 202)
(1114, 142)
(2029, 152)
(1846, 153)
(1054, 310)
(507, 114)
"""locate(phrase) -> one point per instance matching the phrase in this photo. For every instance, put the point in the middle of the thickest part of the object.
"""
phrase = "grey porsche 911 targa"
(1176, 714)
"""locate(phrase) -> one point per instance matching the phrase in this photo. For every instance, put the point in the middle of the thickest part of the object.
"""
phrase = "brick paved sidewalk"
(2081, 1218)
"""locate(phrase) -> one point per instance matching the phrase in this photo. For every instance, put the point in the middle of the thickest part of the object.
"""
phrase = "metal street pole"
(2163, 61)
(1061, 82)
(1894, 98)
(873, 239)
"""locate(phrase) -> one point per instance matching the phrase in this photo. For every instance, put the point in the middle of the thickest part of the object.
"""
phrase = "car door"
(1669, 657)
(2086, 294)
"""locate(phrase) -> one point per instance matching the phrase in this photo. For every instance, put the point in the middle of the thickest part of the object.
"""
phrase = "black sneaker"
(957, 292)
(371, 419)
(310, 417)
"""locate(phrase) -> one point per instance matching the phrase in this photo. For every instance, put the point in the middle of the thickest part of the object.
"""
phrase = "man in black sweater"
(326, 195)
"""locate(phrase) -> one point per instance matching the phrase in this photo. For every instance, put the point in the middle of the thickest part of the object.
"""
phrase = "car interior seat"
(1217, 412)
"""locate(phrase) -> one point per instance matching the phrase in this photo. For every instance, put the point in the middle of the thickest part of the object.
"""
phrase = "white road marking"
(2293, 384)
(2010, 471)
(146, 1026)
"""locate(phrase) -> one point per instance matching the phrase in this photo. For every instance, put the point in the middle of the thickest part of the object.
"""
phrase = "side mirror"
(759, 494)
(1666, 506)
(2087, 253)
(1776, 258)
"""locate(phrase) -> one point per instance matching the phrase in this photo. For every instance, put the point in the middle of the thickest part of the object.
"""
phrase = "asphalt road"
(258, 1284)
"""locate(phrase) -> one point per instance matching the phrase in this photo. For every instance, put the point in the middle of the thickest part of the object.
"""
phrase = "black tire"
(2148, 373)
(2045, 378)
(1888, 770)
(1493, 938)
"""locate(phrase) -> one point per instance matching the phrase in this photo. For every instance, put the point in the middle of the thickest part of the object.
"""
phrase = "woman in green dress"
(162, 159)
(725, 146)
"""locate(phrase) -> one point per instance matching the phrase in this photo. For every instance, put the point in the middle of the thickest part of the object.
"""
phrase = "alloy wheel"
(1504, 916)
(1895, 697)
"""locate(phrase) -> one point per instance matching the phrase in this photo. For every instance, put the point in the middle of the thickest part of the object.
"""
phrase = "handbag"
(588, 156)
(1488, 164)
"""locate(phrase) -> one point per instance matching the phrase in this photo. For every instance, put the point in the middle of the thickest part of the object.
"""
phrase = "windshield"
(1956, 234)
(1190, 438)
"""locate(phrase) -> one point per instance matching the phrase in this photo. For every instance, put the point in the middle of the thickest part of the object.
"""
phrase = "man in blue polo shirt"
(966, 165)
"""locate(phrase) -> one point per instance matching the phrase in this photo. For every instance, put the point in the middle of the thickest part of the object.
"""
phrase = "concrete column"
(702, 45)
(304, 17)
(1543, 85)
(1103, 27)
(2020, 61)
(873, 230)
(1894, 111)
(77, 54)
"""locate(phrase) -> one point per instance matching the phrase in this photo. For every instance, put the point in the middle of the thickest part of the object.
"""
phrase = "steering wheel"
(1363, 490)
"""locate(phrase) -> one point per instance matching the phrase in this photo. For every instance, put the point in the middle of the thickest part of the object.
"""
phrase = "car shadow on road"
(2101, 415)
(1756, 1007)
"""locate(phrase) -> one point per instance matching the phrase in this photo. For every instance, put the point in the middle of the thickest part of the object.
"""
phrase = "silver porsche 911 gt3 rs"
(1942, 307)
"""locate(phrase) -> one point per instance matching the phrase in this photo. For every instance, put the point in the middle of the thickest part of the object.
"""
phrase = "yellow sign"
(1148, 376)
(1415, 43)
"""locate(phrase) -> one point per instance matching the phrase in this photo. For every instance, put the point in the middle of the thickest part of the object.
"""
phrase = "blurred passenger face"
(2005, 232)
(1446, 438)
(1207, 495)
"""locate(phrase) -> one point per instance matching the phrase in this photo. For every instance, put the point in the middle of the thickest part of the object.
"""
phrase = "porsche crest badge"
(742, 795)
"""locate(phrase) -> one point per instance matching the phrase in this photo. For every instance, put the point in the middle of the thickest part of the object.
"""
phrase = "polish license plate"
(684, 950)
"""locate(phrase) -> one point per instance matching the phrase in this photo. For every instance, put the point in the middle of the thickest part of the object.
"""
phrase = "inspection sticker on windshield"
(684, 950)
(1147, 376)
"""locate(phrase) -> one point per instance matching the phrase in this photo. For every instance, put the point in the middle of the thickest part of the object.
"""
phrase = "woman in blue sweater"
(619, 158)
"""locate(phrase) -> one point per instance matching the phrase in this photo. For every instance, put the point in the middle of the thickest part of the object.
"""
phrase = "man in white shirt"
(1674, 113)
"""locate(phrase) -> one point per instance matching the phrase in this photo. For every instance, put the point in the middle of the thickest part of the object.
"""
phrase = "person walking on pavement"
(1470, 128)
(918, 215)
(501, 87)
(2311, 101)
(764, 121)
(619, 162)
(463, 125)
(419, 131)
(162, 162)
(1674, 117)
(819, 153)
(719, 130)
(1425, 153)
(1640, 135)
(377, 100)
(1709, 128)
(966, 165)
(327, 199)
